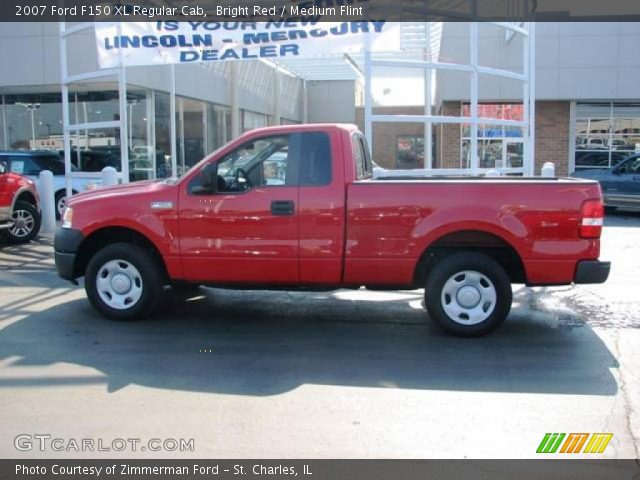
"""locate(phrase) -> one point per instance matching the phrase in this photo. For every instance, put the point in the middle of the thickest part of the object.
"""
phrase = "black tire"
(492, 278)
(24, 231)
(60, 194)
(150, 278)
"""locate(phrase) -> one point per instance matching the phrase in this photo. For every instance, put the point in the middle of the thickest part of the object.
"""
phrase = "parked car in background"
(94, 160)
(31, 162)
(19, 208)
(620, 184)
(598, 159)
(593, 143)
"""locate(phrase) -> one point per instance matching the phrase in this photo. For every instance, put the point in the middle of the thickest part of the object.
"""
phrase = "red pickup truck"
(296, 207)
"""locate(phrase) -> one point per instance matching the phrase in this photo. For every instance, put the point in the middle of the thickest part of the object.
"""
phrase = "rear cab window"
(361, 157)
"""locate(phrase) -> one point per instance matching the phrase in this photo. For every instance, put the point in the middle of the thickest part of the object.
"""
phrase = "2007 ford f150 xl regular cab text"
(296, 207)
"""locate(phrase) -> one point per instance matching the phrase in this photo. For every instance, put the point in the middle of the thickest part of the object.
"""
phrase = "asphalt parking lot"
(328, 375)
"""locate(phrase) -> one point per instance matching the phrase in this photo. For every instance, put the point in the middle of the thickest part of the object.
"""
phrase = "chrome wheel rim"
(468, 297)
(119, 284)
(23, 223)
(61, 204)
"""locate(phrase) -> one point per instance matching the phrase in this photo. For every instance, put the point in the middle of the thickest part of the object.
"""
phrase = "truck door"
(322, 208)
(244, 227)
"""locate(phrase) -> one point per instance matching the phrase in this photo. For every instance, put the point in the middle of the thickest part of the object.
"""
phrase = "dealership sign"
(156, 43)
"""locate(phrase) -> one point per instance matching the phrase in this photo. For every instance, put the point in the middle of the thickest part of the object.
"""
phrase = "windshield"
(53, 163)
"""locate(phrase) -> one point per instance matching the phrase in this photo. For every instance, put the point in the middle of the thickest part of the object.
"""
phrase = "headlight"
(67, 217)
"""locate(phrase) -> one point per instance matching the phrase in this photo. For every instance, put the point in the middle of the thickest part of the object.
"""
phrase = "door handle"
(282, 207)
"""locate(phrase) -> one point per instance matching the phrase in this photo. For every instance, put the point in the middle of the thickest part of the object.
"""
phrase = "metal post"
(235, 107)
(428, 147)
(124, 125)
(33, 128)
(276, 97)
(172, 113)
(368, 97)
(182, 149)
(151, 130)
(48, 201)
(65, 112)
(473, 45)
(4, 124)
(109, 176)
(305, 102)
(531, 80)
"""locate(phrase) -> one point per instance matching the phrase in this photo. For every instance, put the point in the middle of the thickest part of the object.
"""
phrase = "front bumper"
(592, 271)
(66, 244)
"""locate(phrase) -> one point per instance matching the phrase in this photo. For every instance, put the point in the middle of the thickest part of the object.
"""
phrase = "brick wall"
(552, 136)
(448, 138)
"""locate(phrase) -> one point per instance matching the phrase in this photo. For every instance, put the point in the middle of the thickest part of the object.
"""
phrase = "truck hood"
(124, 190)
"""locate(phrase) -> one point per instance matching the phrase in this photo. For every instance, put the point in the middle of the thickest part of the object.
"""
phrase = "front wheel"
(26, 223)
(124, 282)
(468, 294)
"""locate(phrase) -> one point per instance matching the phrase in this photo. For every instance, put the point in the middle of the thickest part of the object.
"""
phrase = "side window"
(265, 162)
(24, 166)
(358, 157)
(315, 159)
(362, 158)
(631, 166)
(367, 157)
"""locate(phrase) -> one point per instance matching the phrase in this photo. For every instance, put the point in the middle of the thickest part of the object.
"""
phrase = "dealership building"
(584, 79)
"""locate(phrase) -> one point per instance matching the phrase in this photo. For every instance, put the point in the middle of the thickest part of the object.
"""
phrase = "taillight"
(591, 219)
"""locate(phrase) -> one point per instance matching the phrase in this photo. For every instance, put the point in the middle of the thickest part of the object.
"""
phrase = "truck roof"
(304, 127)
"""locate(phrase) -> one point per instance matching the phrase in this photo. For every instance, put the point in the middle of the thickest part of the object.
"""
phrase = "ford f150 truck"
(296, 207)
(19, 208)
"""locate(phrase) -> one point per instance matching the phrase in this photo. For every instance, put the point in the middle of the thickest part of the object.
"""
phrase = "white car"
(31, 163)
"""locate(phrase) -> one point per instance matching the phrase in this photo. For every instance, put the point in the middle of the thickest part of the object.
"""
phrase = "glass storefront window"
(605, 133)
(32, 122)
(253, 120)
(409, 152)
(499, 146)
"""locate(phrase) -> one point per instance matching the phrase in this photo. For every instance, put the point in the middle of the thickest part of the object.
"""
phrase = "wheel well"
(27, 197)
(471, 241)
(107, 236)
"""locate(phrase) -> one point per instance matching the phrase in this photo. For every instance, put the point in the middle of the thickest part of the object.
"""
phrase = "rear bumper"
(66, 244)
(592, 271)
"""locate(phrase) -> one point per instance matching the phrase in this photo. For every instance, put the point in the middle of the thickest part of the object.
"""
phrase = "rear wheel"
(124, 282)
(26, 223)
(468, 294)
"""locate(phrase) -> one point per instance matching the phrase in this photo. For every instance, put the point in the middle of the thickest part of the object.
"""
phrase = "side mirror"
(208, 176)
(3, 167)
